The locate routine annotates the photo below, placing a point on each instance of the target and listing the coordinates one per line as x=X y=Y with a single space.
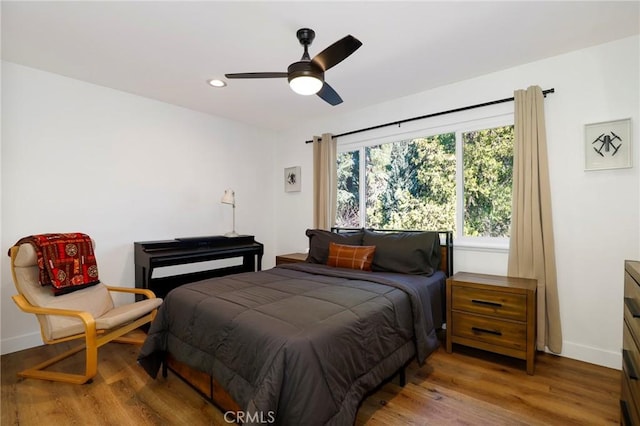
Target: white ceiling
x=167 y=50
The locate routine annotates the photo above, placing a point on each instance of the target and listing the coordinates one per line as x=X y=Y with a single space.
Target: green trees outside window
x=488 y=176
x=411 y=184
x=348 y=201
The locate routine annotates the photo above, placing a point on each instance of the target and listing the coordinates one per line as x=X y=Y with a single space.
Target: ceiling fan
x=306 y=77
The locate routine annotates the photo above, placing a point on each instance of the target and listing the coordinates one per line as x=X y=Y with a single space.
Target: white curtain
x=324 y=181
x=531 y=248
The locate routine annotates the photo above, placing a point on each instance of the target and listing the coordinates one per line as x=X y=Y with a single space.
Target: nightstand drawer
x=632 y=305
x=490 y=330
x=629 y=411
x=631 y=288
x=630 y=388
x=631 y=362
x=490 y=302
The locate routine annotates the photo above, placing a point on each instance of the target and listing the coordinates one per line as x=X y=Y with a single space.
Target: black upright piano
x=149 y=255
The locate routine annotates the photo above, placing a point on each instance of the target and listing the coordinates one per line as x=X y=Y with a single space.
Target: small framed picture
x=292 y=179
x=607 y=145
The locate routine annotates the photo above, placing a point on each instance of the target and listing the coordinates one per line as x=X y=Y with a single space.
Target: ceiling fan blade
x=257 y=75
x=337 y=52
x=329 y=95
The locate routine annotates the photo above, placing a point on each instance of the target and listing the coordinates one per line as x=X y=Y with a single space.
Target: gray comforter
x=301 y=343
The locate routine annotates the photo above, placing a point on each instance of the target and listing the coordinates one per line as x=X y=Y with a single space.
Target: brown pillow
x=352 y=257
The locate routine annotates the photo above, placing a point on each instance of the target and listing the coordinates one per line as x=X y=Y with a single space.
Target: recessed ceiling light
x=216 y=83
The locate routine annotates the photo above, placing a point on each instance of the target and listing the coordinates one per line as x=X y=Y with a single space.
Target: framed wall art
x=292 y=179
x=607 y=145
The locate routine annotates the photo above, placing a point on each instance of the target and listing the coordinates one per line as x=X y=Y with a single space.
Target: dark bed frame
x=213 y=392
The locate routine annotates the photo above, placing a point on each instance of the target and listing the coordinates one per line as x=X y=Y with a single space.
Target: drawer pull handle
x=628 y=363
x=625 y=412
x=486 y=303
x=632 y=305
x=484 y=330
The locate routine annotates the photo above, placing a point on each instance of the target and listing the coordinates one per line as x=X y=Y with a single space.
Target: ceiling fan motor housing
x=305 y=69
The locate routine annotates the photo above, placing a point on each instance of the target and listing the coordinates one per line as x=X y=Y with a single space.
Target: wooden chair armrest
x=148 y=293
x=25 y=306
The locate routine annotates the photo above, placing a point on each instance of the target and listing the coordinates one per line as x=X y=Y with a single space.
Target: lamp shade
x=229 y=197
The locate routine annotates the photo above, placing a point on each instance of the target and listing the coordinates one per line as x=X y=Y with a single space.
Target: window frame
x=500 y=244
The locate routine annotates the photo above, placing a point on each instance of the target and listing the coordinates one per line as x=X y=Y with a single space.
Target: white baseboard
x=571 y=350
x=18 y=343
x=592 y=355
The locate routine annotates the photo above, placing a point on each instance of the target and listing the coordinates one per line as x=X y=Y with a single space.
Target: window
x=459 y=180
x=348 y=200
x=488 y=174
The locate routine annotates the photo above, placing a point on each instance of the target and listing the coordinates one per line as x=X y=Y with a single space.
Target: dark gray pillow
x=404 y=252
x=319 y=243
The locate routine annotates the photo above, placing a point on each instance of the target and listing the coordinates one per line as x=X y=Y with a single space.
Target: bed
x=304 y=343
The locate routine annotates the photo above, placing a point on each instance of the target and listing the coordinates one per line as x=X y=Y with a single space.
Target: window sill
x=486 y=246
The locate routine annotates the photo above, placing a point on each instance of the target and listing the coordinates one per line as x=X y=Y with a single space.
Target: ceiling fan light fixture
x=306 y=85
x=305 y=77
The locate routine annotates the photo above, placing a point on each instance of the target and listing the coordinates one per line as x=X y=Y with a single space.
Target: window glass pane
x=488 y=167
x=411 y=184
x=348 y=202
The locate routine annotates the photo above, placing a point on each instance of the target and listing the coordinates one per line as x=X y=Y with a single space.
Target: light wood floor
x=467 y=387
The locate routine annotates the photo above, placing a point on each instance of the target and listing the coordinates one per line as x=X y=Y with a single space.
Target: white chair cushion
x=95 y=300
x=26 y=256
x=126 y=313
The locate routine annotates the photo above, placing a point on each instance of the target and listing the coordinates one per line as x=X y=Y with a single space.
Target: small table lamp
x=229 y=197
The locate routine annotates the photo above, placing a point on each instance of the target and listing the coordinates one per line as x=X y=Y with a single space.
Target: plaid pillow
x=352 y=257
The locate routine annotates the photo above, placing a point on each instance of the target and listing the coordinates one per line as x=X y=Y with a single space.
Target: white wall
x=596 y=214
x=80 y=157
x=153 y=171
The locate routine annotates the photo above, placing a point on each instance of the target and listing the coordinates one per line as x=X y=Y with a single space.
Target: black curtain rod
x=435 y=114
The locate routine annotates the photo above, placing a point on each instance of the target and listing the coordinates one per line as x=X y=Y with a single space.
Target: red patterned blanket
x=66 y=261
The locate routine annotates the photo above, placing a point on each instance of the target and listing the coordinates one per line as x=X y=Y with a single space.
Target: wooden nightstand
x=291 y=258
x=493 y=313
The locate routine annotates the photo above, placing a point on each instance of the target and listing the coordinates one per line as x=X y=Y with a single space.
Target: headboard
x=446 y=245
